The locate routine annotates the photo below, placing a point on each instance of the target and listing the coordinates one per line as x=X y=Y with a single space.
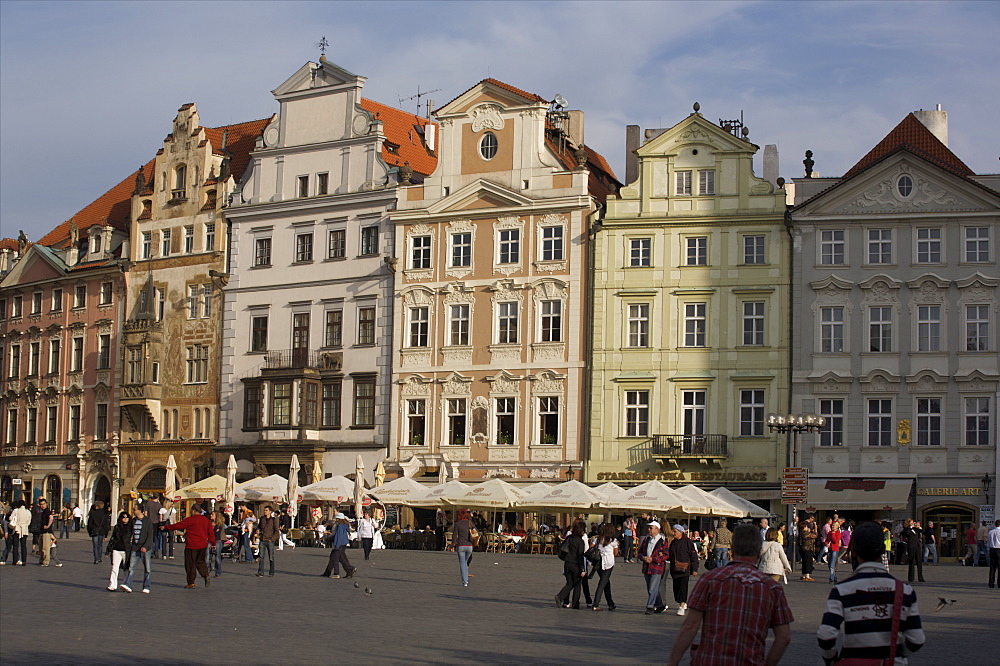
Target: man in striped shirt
x=859 y=610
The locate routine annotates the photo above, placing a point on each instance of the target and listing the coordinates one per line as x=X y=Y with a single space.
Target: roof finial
x=696 y=107
x=808 y=162
x=323 y=46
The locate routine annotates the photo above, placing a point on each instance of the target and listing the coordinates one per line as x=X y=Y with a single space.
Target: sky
x=88 y=90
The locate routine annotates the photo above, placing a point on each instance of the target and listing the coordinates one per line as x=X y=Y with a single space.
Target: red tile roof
x=914 y=135
x=240 y=142
x=400 y=129
x=506 y=86
x=8 y=244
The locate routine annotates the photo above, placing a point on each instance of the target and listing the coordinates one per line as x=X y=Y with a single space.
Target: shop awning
x=862 y=493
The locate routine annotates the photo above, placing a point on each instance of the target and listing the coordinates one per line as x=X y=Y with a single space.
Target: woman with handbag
x=772 y=559
x=119 y=547
x=604 y=546
x=574 y=565
x=463 y=538
x=683 y=564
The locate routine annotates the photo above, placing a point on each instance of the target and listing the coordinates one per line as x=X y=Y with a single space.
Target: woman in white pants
x=118 y=547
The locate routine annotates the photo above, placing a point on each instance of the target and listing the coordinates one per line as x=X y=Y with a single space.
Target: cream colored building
x=490 y=316
x=691 y=317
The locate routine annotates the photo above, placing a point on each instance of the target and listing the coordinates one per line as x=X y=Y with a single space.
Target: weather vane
x=323 y=45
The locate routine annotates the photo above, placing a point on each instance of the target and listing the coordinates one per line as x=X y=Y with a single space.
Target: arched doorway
x=53 y=491
x=950 y=523
x=102 y=491
x=153 y=482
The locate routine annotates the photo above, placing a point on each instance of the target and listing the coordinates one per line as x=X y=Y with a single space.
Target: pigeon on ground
x=942 y=602
x=356 y=585
x=368 y=591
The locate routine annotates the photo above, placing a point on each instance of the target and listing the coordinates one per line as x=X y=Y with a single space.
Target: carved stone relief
x=548 y=351
x=831 y=385
x=486 y=116
x=456 y=355
x=925 y=195
x=503 y=385
x=539 y=472
x=547 y=382
x=454 y=385
x=505 y=353
x=418 y=297
x=414 y=386
x=415 y=357
x=548 y=290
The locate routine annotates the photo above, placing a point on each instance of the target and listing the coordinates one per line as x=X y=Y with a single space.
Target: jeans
x=982 y=551
x=464 y=555
x=98 y=542
x=654 y=600
x=168 y=543
x=994 y=566
x=216 y=558
x=246 y=549
x=158 y=542
x=834 y=558
x=627 y=547
x=366 y=544
x=266 y=551
x=64 y=530
x=721 y=557
x=146 y=571
x=604 y=586
x=930 y=553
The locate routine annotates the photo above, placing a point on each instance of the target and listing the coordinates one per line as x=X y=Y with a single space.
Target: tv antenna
x=420 y=93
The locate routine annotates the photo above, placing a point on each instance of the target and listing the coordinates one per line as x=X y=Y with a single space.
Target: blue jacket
x=341 y=535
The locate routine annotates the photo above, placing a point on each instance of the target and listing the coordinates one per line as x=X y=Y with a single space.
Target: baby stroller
x=231 y=543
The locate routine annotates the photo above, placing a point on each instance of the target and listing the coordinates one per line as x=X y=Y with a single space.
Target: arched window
x=179 y=190
x=154 y=481
x=197 y=423
x=53 y=491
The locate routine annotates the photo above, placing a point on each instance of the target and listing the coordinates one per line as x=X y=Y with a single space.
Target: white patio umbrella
x=170 y=485
x=272 y=488
x=533 y=489
x=650 y=496
x=230 y=491
x=211 y=488
x=337 y=489
x=748 y=507
x=379 y=474
x=567 y=495
x=317 y=471
x=710 y=504
x=359 y=486
x=492 y=494
x=434 y=495
x=293 y=485
x=609 y=490
x=399 y=491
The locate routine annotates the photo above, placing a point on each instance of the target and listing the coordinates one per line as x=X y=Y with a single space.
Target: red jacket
x=658 y=556
x=200 y=531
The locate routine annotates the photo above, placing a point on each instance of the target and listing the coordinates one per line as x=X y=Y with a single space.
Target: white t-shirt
x=77 y=512
x=366 y=528
x=607 y=553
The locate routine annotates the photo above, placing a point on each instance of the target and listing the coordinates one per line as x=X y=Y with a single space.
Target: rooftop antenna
x=420 y=93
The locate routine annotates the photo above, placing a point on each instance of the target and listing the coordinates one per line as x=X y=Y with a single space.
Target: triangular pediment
x=694 y=130
x=489 y=91
x=480 y=195
x=37 y=264
x=312 y=76
x=902 y=183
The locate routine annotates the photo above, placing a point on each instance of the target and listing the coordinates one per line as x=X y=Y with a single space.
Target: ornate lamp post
x=794 y=424
x=987 y=482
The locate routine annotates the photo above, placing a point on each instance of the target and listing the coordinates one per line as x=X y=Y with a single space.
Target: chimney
x=936 y=121
x=575 y=132
x=771 y=164
x=631 y=159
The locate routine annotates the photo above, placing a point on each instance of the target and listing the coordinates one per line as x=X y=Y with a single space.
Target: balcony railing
x=691 y=446
x=139 y=325
x=142 y=392
x=284 y=359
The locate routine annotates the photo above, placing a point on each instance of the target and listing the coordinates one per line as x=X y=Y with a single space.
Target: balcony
x=700 y=447
x=298 y=359
x=141 y=392
x=142 y=325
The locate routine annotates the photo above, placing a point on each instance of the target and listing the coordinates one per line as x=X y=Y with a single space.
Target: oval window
x=488 y=146
x=904 y=186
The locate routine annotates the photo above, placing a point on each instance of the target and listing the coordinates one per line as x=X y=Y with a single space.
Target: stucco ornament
x=903 y=432
x=486 y=116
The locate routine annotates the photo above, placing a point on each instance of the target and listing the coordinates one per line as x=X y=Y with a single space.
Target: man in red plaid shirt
x=737 y=604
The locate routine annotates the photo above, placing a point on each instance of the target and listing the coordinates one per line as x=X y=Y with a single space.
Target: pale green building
x=691 y=318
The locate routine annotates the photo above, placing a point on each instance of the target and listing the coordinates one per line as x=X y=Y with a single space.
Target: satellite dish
x=561 y=101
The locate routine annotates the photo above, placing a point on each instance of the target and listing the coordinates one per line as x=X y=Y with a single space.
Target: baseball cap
x=653 y=523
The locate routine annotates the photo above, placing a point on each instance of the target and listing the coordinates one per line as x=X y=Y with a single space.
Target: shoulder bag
x=473 y=534
x=897 y=610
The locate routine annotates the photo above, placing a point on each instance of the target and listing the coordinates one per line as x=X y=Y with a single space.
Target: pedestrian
x=219 y=530
x=338 y=556
x=773 y=561
x=270 y=533
x=606 y=544
x=833 y=541
x=246 y=534
x=782 y=534
x=463 y=533
x=285 y=522
x=571 y=552
x=872 y=616
x=914 y=538
x=118 y=548
x=153 y=507
x=628 y=537
x=7 y=532
x=98 y=526
x=198 y=534
x=21 y=526
x=54 y=553
x=970 y=546
x=168 y=515
x=77 y=517
x=735 y=606
x=981 y=549
x=723 y=540
x=824 y=541
x=683 y=565
x=140 y=549
x=887 y=537
x=65 y=521
x=807 y=544
x=42 y=519
x=930 y=545
x=993 y=541
x=653 y=555
x=366 y=532
x=765 y=524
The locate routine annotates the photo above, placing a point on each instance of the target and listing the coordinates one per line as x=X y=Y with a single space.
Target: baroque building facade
x=895 y=317
x=690 y=329
x=308 y=314
x=490 y=305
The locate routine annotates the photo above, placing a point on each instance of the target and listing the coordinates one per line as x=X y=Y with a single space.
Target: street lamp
x=794 y=424
x=570 y=473
x=987 y=484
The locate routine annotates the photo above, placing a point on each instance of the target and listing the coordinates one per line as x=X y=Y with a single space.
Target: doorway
x=950 y=524
x=102 y=492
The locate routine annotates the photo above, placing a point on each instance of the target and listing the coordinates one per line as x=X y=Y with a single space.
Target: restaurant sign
x=682 y=476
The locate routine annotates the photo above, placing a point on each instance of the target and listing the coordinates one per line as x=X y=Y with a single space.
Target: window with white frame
x=419 y=326
x=34 y=358
x=832 y=330
x=461 y=249
x=420 y=252
x=694 y=324
x=209 y=237
x=147 y=245
x=262 y=252
x=107 y=292
x=929 y=245
x=336 y=246
x=879 y=422
x=753 y=250
x=638 y=325
x=753 y=323
x=76 y=360
x=751 y=412
x=79 y=297
x=104 y=351
x=11 y=426
x=36 y=303
x=977 y=328
x=31 y=426
x=880 y=246
x=977 y=244
x=322 y=183
x=551 y=321
x=928 y=422
x=636 y=413
x=303 y=182
x=333 y=334
x=15 y=361
x=928 y=328
x=832 y=432
x=832 y=247
x=548 y=420
x=507 y=322
x=697 y=251
x=509 y=251
x=160 y=295
x=552 y=243
x=165 y=243
x=369 y=240
x=488 y=145
x=194 y=291
x=457 y=420
x=281 y=403
x=331 y=403
x=258 y=333
x=188 y=239
x=706 y=182
x=101 y=422
x=206 y=301
x=459 y=316
x=977 y=421
x=304 y=247
x=639 y=252
x=55 y=355
x=197 y=364
x=133 y=365
x=17 y=303
x=880 y=329
x=416 y=422
x=74 y=422
x=693 y=415
x=366 y=326
x=682 y=183
x=506 y=410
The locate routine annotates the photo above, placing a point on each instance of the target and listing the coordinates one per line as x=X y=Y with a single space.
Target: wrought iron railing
x=695 y=446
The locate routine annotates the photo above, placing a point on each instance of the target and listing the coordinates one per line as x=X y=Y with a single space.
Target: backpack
x=564 y=550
